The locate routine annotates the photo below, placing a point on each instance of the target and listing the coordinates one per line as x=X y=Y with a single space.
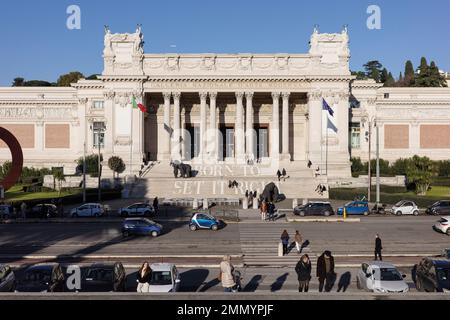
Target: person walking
x=303 y=269
x=227 y=274
x=285 y=241
x=325 y=271
x=298 y=241
x=279 y=175
x=156 y=205
x=378 y=247
x=143 y=278
x=284 y=174
x=264 y=210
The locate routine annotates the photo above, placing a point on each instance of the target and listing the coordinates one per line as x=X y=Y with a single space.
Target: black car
x=42 y=278
x=104 y=278
x=44 y=211
x=314 y=209
x=439 y=208
x=432 y=275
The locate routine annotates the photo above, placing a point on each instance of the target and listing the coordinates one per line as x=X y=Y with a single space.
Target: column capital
x=275 y=95
x=203 y=95
x=213 y=95
x=239 y=95
x=285 y=95
x=176 y=95
x=249 y=95
x=315 y=95
x=167 y=95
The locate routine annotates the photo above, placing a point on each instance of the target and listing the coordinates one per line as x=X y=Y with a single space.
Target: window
x=386 y=95
x=98 y=129
x=355 y=135
x=98 y=105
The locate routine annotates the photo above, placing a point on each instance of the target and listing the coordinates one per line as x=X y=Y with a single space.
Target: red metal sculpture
x=17 y=159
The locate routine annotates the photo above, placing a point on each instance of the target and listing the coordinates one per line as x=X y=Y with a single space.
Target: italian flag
x=139 y=106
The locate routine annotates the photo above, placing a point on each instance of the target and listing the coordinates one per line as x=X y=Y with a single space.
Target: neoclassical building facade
x=226 y=108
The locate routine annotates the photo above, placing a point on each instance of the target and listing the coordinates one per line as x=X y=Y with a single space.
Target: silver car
x=165 y=278
x=381 y=277
x=88 y=210
x=7 y=279
x=405 y=207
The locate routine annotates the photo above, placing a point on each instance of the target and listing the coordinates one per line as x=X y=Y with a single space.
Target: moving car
x=439 y=208
x=203 y=221
x=141 y=227
x=405 y=207
x=314 y=209
x=44 y=211
x=432 y=275
x=6 y=211
x=381 y=277
x=443 y=225
x=7 y=279
x=137 y=209
x=47 y=277
x=104 y=278
x=165 y=278
x=88 y=210
x=355 y=208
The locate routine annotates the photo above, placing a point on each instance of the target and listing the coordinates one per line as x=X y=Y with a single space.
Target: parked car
x=101 y=277
x=204 y=221
x=141 y=227
x=7 y=279
x=6 y=211
x=47 y=277
x=355 y=208
x=405 y=207
x=314 y=209
x=165 y=278
x=439 y=208
x=381 y=277
x=44 y=211
x=137 y=209
x=432 y=275
x=88 y=210
x=443 y=225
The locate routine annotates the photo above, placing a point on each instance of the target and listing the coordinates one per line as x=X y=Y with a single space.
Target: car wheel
x=154 y=234
x=302 y=213
x=326 y=213
x=215 y=227
x=193 y=227
x=366 y=213
x=448 y=232
x=126 y=234
x=399 y=213
x=416 y=213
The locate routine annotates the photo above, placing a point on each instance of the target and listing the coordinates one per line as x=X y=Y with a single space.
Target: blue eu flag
x=326 y=107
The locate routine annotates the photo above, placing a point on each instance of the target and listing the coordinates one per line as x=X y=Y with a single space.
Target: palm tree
x=58 y=175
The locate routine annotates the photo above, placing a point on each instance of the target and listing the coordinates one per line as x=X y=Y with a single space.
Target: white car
x=165 y=278
x=381 y=277
x=88 y=210
x=137 y=209
x=443 y=225
x=405 y=207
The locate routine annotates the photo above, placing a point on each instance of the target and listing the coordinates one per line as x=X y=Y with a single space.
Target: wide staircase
x=212 y=181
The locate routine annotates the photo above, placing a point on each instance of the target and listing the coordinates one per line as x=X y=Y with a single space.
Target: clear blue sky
x=35 y=43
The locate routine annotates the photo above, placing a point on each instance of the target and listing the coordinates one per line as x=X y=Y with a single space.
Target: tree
x=422 y=80
x=373 y=70
x=58 y=175
x=18 y=82
x=390 y=81
x=66 y=79
x=436 y=78
x=419 y=171
x=93 y=77
x=5 y=168
x=91 y=164
x=384 y=75
x=38 y=83
x=409 y=74
x=116 y=165
x=360 y=75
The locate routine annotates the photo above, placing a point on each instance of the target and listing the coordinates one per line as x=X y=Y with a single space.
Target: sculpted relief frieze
x=225 y=85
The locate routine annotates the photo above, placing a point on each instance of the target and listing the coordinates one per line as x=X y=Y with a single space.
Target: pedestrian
x=303 y=269
x=255 y=194
x=284 y=174
x=264 y=210
x=226 y=275
x=317 y=172
x=309 y=164
x=279 y=175
x=298 y=241
x=156 y=205
x=285 y=241
x=246 y=194
x=378 y=247
x=325 y=271
x=250 y=198
x=23 y=210
x=143 y=278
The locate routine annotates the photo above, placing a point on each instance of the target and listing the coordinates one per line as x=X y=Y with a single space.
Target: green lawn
x=16 y=194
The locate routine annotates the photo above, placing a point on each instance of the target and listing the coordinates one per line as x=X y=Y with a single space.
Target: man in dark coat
x=378 y=247
x=175 y=171
x=325 y=271
x=279 y=175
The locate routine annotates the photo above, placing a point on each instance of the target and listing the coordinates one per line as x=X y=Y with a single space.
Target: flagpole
x=326 y=152
x=321 y=138
x=131 y=143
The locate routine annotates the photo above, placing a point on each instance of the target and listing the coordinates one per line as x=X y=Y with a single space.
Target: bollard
x=245 y=204
x=294 y=203
x=205 y=204
x=345 y=212
x=195 y=204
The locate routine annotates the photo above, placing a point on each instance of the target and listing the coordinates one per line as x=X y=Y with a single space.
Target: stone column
x=343 y=123
x=167 y=128
x=109 y=114
x=239 y=130
x=176 y=138
x=285 y=137
x=315 y=127
x=249 y=125
x=275 y=127
x=203 y=97
x=213 y=126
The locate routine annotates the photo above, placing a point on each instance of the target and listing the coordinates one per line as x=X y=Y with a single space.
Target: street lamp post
x=378 y=163
x=369 y=169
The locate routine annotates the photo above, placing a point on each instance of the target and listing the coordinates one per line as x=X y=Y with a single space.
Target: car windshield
x=390 y=274
x=399 y=204
x=161 y=278
x=37 y=276
x=99 y=274
x=443 y=274
x=348 y=204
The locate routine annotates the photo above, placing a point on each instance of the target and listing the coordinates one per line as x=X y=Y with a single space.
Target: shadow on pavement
x=191 y=280
x=279 y=282
x=253 y=284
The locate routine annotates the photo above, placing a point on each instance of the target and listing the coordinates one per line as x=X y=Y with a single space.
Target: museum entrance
x=261 y=147
x=226 y=142
x=193 y=142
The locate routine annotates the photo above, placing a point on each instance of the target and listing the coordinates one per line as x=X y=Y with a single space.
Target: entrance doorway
x=192 y=142
x=262 y=141
x=226 y=142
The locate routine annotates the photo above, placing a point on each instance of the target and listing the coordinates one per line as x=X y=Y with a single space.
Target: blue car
x=203 y=221
x=355 y=208
x=141 y=227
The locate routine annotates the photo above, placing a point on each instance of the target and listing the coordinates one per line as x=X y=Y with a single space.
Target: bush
x=385 y=170
x=91 y=164
x=357 y=165
x=443 y=168
x=116 y=165
x=398 y=168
